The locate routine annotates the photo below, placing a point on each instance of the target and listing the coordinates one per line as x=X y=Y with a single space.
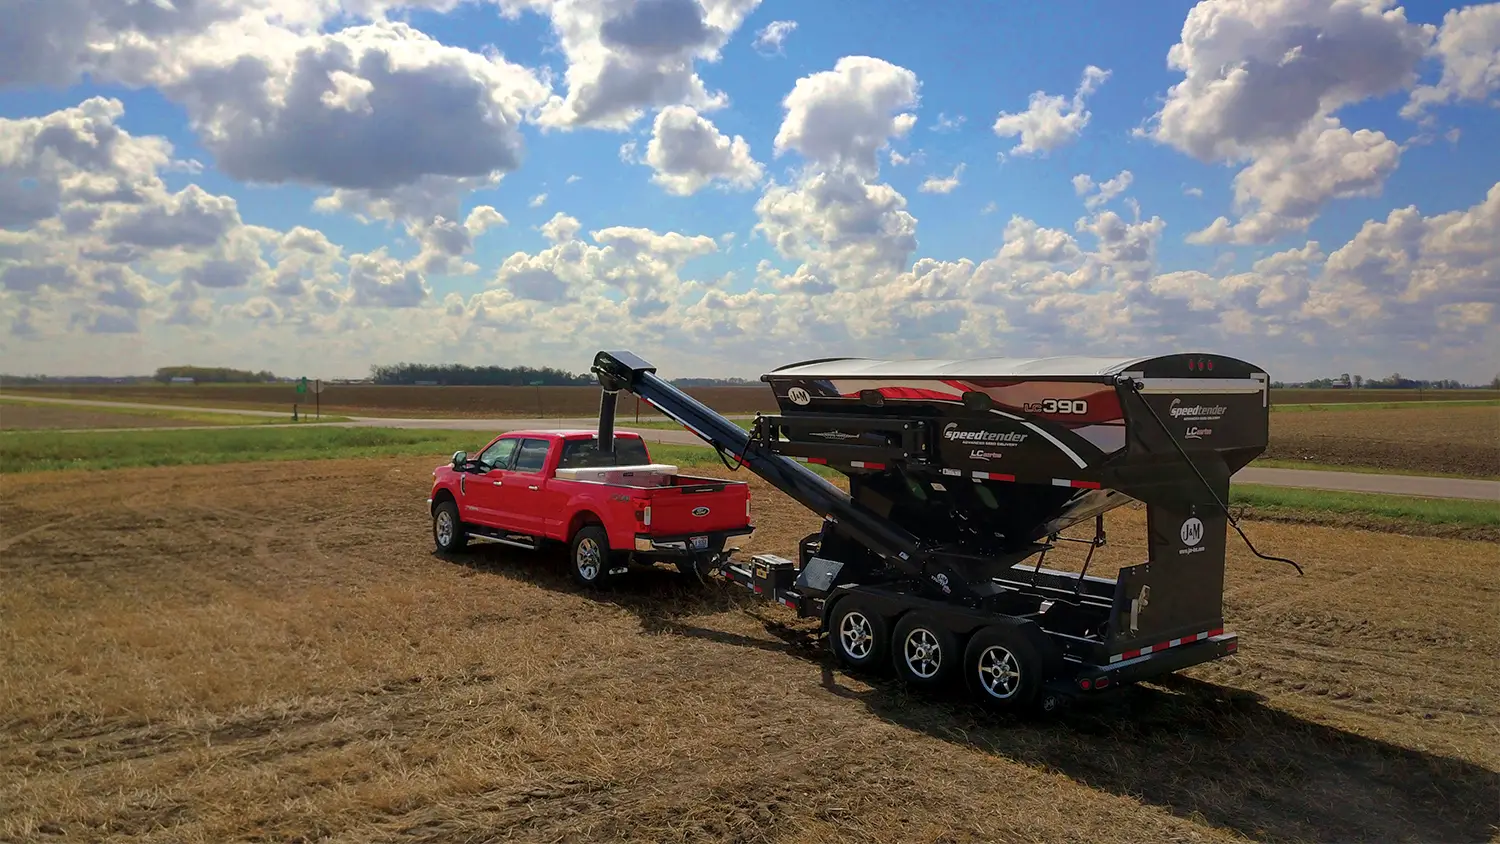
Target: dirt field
x=1458 y=440
x=25 y=417
x=283 y=658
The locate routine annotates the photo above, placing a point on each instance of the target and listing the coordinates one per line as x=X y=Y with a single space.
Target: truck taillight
x=643 y=515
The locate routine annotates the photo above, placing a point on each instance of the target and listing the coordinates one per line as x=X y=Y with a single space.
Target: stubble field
x=272 y=652
x=488 y=402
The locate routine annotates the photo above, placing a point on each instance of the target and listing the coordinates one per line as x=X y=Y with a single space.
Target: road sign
x=317 y=385
x=301 y=385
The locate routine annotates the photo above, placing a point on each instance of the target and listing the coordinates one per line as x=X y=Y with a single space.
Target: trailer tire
x=1003 y=668
x=448 y=532
x=858 y=634
x=589 y=557
x=924 y=652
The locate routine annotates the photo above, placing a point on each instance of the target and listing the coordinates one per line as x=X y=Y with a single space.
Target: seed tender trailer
x=960 y=473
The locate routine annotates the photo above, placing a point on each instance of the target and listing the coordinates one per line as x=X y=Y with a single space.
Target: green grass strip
x=1432 y=511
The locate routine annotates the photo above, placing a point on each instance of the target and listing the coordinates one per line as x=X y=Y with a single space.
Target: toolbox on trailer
x=962 y=476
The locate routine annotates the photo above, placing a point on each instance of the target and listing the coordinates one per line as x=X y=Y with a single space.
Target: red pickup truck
x=529 y=488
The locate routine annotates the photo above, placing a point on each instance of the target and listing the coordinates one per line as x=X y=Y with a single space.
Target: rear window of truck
x=585 y=454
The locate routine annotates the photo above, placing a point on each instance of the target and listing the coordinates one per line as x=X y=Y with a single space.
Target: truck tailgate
x=691 y=506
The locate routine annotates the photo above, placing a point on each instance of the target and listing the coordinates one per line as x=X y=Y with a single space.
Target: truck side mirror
x=458 y=459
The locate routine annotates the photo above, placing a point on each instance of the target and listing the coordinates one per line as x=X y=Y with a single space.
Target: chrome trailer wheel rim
x=999 y=672
x=857 y=635
x=588 y=559
x=923 y=654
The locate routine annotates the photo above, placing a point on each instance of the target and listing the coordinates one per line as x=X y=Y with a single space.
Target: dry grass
x=35 y=417
x=283 y=658
x=1455 y=440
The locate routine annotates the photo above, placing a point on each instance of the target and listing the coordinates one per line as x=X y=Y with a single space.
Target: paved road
x=1302 y=478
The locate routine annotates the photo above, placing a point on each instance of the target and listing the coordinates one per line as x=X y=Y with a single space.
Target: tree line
x=213 y=375
x=457 y=374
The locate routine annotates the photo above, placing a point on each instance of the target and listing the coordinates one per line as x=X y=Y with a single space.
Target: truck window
x=532 y=456
x=584 y=454
x=498 y=455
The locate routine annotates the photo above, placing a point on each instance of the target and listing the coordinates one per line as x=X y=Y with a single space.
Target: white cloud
x=1468 y=45
x=1258 y=72
x=772 y=36
x=942 y=184
x=1050 y=121
x=689 y=153
x=537 y=201
x=843 y=117
x=1286 y=186
x=1083 y=184
x=625 y=58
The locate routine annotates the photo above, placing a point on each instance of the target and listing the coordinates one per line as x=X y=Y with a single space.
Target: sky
x=315 y=187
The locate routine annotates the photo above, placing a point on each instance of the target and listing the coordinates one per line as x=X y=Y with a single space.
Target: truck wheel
x=1003 y=668
x=858 y=635
x=589 y=557
x=447 y=531
x=925 y=653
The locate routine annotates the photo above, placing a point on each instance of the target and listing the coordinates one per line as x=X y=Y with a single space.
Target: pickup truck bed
x=528 y=488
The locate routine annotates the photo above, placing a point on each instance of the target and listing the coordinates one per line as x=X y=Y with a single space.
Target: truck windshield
x=584 y=454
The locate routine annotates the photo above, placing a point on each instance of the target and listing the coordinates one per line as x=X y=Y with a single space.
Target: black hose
x=1136 y=385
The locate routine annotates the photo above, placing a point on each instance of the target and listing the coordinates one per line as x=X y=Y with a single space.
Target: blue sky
x=972 y=61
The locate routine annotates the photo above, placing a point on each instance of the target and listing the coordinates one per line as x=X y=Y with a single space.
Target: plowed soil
x=1458 y=441
x=273 y=652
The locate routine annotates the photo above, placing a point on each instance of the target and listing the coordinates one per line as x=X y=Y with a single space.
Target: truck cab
x=533 y=487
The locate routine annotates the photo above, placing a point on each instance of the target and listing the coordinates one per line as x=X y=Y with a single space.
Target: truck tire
x=924 y=653
x=589 y=557
x=858 y=634
x=448 y=532
x=1003 y=668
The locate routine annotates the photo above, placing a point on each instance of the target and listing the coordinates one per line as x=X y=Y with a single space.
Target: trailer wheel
x=1003 y=668
x=858 y=635
x=925 y=653
x=589 y=557
x=448 y=532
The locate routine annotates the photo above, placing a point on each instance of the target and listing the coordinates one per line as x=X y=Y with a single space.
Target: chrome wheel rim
x=999 y=672
x=857 y=635
x=444 y=528
x=588 y=559
x=923 y=654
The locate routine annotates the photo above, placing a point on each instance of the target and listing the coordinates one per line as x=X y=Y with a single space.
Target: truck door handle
x=533 y=487
x=499 y=483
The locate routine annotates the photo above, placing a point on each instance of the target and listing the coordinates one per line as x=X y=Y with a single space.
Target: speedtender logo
x=952 y=433
x=1197 y=411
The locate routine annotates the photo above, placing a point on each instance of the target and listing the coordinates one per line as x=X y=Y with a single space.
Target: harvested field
x=48 y=417
x=1458 y=440
x=403 y=401
x=284 y=658
x=24 y=417
x=490 y=402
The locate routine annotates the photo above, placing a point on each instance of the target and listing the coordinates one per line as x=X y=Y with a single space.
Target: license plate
x=699 y=543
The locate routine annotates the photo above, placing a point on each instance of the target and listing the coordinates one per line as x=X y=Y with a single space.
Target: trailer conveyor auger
x=960 y=471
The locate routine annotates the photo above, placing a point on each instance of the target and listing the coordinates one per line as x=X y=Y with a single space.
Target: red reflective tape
x=1131 y=654
x=1217 y=631
x=818 y=460
x=1084 y=484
